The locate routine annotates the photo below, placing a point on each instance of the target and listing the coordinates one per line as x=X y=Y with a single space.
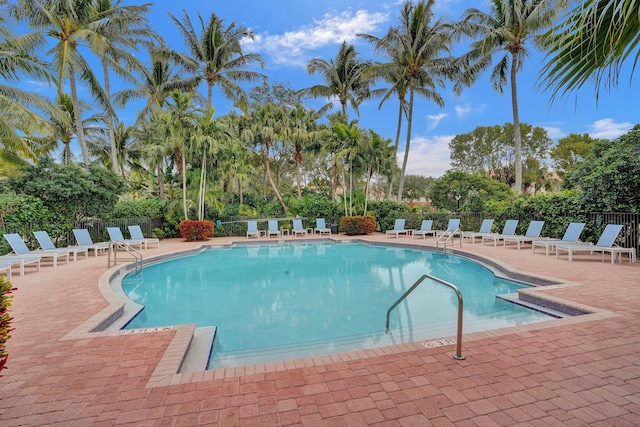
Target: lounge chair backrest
x=399 y=224
x=252 y=226
x=609 y=235
x=273 y=225
x=573 y=232
x=454 y=224
x=426 y=225
x=136 y=232
x=320 y=224
x=486 y=225
x=534 y=229
x=297 y=224
x=44 y=240
x=17 y=244
x=510 y=227
x=82 y=236
x=115 y=233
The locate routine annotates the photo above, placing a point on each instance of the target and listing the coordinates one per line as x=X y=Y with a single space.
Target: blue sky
x=291 y=32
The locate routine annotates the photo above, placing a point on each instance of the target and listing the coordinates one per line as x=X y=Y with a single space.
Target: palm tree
x=302 y=123
x=343 y=79
x=592 y=41
x=126 y=29
x=71 y=24
x=379 y=156
x=507 y=28
x=218 y=53
x=415 y=49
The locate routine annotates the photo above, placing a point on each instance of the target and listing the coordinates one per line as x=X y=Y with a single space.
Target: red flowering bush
x=196 y=230
x=5 y=319
x=357 y=225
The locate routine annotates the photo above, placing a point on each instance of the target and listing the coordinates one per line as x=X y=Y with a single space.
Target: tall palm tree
x=126 y=28
x=505 y=30
x=415 y=50
x=71 y=24
x=302 y=123
x=343 y=79
x=379 y=156
x=592 y=42
x=218 y=53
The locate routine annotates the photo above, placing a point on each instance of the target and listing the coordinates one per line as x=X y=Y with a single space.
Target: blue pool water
x=283 y=301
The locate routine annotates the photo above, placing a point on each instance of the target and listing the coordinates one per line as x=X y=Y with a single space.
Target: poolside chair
x=136 y=234
x=532 y=233
x=273 y=228
x=509 y=229
x=297 y=228
x=571 y=235
x=83 y=240
x=6 y=269
x=20 y=249
x=321 y=227
x=485 y=229
x=425 y=228
x=21 y=261
x=453 y=227
x=398 y=228
x=115 y=235
x=606 y=243
x=252 y=229
x=46 y=244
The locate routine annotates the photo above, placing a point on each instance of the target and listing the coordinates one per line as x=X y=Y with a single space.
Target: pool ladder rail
x=136 y=256
x=448 y=237
x=458 y=354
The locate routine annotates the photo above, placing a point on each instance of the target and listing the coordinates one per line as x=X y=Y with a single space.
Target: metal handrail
x=113 y=248
x=448 y=238
x=458 y=355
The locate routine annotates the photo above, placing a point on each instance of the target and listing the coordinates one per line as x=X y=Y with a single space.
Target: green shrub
x=140 y=208
x=357 y=225
x=5 y=319
x=386 y=213
x=196 y=230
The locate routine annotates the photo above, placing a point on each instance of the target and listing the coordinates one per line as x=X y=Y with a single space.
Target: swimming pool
x=283 y=301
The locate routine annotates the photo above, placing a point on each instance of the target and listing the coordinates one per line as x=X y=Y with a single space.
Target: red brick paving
x=572 y=372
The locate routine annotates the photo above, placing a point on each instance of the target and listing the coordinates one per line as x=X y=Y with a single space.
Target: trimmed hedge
x=357 y=225
x=196 y=230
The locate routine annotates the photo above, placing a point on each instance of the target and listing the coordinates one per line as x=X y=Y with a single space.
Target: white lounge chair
x=273 y=228
x=136 y=234
x=83 y=240
x=453 y=227
x=571 y=235
x=509 y=229
x=297 y=228
x=606 y=243
x=398 y=228
x=19 y=248
x=115 y=234
x=21 y=261
x=321 y=227
x=485 y=229
x=6 y=269
x=532 y=233
x=425 y=228
x=252 y=229
x=46 y=244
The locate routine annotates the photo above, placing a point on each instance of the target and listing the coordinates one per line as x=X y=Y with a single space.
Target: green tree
x=505 y=30
x=609 y=177
x=70 y=190
x=217 y=51
x=590 y=43
x=416 y=187
x=454 y=187
x=571 y=150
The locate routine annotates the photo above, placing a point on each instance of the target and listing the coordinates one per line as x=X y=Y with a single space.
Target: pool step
x=515 y=299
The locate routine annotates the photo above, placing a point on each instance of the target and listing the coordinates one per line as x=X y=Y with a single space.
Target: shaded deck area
x=575 y=371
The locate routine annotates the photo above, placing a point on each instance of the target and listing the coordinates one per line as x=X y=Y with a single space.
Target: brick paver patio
x=577 y=371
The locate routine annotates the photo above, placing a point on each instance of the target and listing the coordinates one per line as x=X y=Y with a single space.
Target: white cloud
x=463 y=111
x=428 y=156
x=434 y=120
x=296 y=47
x=609 y=128
x=554 y=132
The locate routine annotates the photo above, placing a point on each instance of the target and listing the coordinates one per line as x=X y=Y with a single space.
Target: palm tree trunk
x=298 y=161
x=517 y=137
x=112 y=137
x=209 y=94
x=203 y=183
x=78 y=117
x=395 y=151
x=334 y=181
x=160 y=182
x=407 y=143
x=267 y=169
x=366 y=189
